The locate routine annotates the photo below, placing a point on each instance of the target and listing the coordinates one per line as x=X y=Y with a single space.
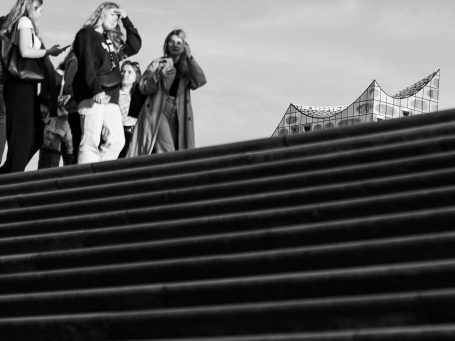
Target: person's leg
x=21 y=104
x=38 y=128
x=67 y=156
x=92 y=124
x=49 y=155
x=75 y=124
x=48 y=158
x=114 y=136
x=128 y=135
x=67 y=149
x=167 y=130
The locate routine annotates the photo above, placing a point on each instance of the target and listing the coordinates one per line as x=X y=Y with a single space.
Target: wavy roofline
x=320 y=118
x=336 y=113
x=397 y=97
x=376 y=84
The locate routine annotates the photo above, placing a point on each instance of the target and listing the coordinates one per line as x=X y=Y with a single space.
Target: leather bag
x=17 y=67
x=111 y=79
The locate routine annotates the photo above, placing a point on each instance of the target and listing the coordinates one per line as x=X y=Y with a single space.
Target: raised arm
x=133 y=41
x=197 y=76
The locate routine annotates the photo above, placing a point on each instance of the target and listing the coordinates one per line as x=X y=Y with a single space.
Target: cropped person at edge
x=24 y=127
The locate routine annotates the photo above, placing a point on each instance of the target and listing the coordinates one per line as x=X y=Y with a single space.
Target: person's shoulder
x=85 y=32
x=24 y=22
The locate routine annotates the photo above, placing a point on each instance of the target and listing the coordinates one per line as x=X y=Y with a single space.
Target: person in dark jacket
x=99 y=46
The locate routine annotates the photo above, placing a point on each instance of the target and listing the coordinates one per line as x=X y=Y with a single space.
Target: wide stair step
x=344 y=234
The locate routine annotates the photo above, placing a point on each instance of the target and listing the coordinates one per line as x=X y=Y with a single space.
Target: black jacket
x=137 y=101
x=93 y=59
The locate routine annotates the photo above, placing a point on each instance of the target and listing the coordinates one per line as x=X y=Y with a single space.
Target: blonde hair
x=22 y=8
x=116 y=34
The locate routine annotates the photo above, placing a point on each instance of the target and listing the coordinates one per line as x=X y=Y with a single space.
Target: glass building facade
x=373 y=105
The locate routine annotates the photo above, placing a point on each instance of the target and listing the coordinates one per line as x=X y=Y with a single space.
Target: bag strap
x=14 y=34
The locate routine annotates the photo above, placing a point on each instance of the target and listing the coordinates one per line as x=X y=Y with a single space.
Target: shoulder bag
x=17 y=67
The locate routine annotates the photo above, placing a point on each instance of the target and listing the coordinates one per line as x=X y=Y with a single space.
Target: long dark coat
x=157 y=91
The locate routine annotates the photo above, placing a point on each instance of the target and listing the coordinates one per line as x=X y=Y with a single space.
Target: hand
x=102 y=98
x=54 y=51
x=165 y=71
x=121 y=13
x=187 y=50
x=61 y=111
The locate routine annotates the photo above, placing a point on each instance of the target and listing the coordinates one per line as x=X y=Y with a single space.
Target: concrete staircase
x=344 y=234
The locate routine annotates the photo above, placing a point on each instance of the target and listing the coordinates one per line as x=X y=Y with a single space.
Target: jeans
x=100 y=120
x=167 y=138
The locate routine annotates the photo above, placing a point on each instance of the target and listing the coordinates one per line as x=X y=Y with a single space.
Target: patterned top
x=124 y=103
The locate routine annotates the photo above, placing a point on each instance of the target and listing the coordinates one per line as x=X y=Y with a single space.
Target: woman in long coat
x=165 y=122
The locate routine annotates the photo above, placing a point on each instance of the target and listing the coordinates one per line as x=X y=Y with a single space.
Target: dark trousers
x=74 y=119
x=50 y=158
x=24 y=126
x=128 y=135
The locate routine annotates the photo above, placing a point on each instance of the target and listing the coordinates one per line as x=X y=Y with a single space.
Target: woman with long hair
x=131 y=100
x=99 y=46
x=23 y=117
x=165 y=122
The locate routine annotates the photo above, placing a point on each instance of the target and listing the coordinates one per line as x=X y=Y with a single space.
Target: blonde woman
x=24 y=127
x=165 y=123
x=99 y=46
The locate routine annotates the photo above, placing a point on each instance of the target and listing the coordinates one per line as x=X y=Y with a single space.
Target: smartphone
x=65 y=47
x=168 y=64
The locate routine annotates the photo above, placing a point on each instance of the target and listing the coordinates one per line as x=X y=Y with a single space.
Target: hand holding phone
x=168 y=64
x=65 y=47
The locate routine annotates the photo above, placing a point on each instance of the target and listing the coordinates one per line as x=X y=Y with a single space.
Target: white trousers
x=100 y=120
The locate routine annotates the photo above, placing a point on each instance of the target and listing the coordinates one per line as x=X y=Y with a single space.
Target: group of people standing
x=96 y=109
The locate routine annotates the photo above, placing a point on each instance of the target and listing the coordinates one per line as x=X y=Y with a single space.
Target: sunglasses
x=175 y=43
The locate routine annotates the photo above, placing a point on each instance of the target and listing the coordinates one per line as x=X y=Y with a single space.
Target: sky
x=261 y=55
